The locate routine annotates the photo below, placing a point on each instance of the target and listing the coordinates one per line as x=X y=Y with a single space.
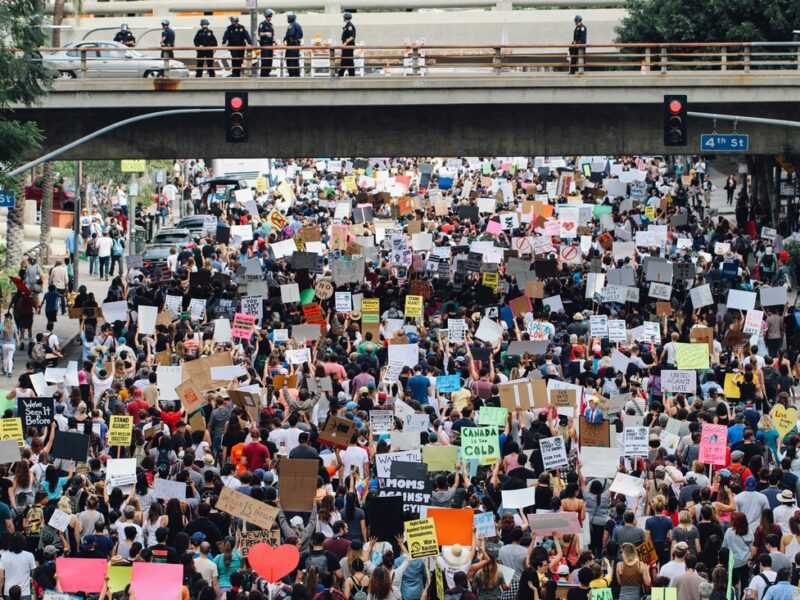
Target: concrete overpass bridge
x=498 y=100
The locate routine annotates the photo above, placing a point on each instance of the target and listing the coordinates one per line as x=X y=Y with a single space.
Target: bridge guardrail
x=420 y=60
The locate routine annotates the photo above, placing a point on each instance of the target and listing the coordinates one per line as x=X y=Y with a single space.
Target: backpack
x=162 y=462
x=116 y=247
x=735 y=478
x=35 y=520
x=93 y=249
x=318 y=560
x=357 y=592
x=38 y=353
x=768 y=583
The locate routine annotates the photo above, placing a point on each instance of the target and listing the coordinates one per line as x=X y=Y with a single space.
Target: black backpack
x=162 y=463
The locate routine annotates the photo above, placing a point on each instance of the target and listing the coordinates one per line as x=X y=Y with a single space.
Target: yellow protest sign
x=11 y=429
x=350 y=183
x=120 y=430
x=491 y=280
x=421 y=538
x=730 y=389
x=285 y=190
x=370 y=305
x=650 y=212
x=693 y=356
x=276 y=219
x=132 y=166
x=261 y=184
x=783 y=418
x=414 y=306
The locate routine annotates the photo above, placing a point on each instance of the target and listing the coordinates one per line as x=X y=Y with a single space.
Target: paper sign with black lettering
x=554 y=453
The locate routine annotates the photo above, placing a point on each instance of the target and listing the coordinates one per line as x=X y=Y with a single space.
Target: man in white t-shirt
x=104 y=245
x=765 y=576
x=16 y=566
x=355 y=456
x=676 y=566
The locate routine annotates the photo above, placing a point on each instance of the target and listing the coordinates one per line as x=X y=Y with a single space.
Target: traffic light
x=235 y=116
x=675 y=121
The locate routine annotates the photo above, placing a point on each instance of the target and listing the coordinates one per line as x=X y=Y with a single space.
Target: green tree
x=24 y=79
x=706 y=21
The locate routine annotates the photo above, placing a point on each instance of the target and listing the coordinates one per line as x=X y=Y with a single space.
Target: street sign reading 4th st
x=8 y=199
x=725 y=142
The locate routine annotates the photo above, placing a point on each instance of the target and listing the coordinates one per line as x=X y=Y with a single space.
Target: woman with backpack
x=357 y=584
x=487 y=582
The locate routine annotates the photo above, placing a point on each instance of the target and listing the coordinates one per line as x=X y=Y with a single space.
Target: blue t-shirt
x=658 y=527
x=419 y=385
x=62 y=481
x=5 y=515
x=51 y=301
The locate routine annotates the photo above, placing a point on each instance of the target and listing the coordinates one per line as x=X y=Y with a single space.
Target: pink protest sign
x=714 y=444
x=154 y=580
x=493 y=227
x=85 y=575
x=243 y=326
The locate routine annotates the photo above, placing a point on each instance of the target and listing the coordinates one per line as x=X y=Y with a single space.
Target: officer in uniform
x=348 y=39
x=266 y=39
x=124 y=36
x=167 y=40
x=205 y=38
x=293 y=37
x=578 y=38
x=236 y=35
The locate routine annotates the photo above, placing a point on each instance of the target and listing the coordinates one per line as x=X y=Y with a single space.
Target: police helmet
x=268 y=13
x=234 y=19
x=291 y=17
x=123 y=27
x=165 y=22
x=577 y=18
x=203 y=22
x=347 y=16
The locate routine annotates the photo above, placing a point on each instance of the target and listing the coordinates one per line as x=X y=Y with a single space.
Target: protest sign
x=484 y=525
x=563 y=398
x=9 y=451
x=156 y=580
x=713 y=444
x=416 y=423
x=523 y=394
x=496 y=416
x=480 y=442
x=60 y=520
x=421 y=538
x=120 y=430
x=783 y=418
x=636 y=442
x=381 y=421
x=647 y=552
x=70 y=446
x=773 y=296
x=692 y=356
x=453 y=525
x=554 y=453
x=82 y=575
x=246 y=508
x=36 y=412
x=298 y=479
x=679 y=381
x=383 y=462
x=600 y=462
x=408 y=480
x=386 y=517
x=545 y=524
x=448 y=383
x=166 y=489
x=752 y=322
x=594 y=434
x=337 y=432
x=518 y=498
x=627 y=485
x=192 y=399
x=248 y=539
x=439 y=458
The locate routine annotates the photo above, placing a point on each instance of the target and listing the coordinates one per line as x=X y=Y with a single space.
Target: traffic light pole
x=96 y=134
x=743 y=119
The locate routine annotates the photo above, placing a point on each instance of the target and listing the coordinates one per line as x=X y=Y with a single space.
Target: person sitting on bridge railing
x=124 y=36
x=167 y=40
x=236 y=35
x=293 y=37
x=205 y=38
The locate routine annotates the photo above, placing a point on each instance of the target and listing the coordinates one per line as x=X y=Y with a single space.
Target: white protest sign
x=554 y=453
x=636 y=441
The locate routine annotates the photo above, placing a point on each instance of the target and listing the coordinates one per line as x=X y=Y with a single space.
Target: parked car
x=63 y=194
x=172 y=237
x=154 y=256
x=194 y=224
x=110 y=59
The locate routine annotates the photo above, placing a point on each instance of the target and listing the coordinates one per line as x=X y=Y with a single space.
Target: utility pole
x=76 y=225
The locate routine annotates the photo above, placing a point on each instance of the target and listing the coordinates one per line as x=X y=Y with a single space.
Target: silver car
x=110 y=59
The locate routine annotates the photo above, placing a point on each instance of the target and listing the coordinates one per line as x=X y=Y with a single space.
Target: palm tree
x=47 y=203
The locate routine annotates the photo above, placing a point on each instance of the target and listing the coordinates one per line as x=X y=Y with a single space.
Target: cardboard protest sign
x=70 y=446
x=594 y=434
x=647 y=552
x=564 y=398
x=337 y=432
x=247 y=508
x=192 y=399
x=453 y=525
x=249 y=401
x=421 y=538
x=36 y=412
x=545 y=524
x=120 y=430
x=298 y=483
x=554 y=453
x=713 y=444
x=248 y=539
x=523 y=394
x=480 y=442
x=199 y=371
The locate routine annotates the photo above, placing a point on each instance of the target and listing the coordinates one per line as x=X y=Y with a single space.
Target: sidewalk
x=65 y=328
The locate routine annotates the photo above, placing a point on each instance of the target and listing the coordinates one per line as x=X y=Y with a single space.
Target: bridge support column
x=504 y=5
x=333 y=7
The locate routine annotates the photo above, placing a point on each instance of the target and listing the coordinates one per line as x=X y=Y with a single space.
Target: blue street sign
x=725 y=142
x=8 y=199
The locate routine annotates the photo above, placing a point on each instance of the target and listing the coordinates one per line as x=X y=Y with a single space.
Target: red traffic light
x=675 y=106
x=236 y=103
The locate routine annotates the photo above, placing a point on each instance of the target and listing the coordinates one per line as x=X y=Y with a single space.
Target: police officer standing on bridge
x=293 y=37
x=236 y=35
x=124 y=36
x=167 y=40
x=578 y=39
x=205 y=38
x=348 y=39
x=266 y=39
